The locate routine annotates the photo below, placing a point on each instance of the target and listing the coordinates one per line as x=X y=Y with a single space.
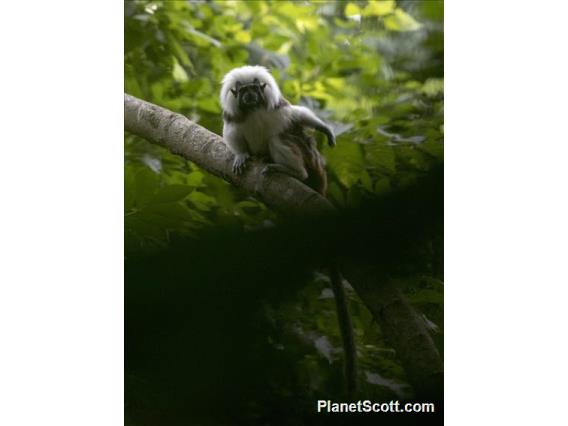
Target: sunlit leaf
x=179 y=51
x=401 y=21
x=433 y=86
x=151 y=8
x=285 y=48
x=178 y=72
x=309 y=23
x=336 y=83
x=195 y=178
x=202 y=38
x=379 y=8
x=243 y=37
x=352 y=10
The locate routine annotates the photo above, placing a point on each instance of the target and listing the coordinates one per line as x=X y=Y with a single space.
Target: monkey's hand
x=239 y=164
x=331 y=139
x=326 y=130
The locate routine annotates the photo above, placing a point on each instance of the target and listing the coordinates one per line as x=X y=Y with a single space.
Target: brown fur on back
x=304 y=144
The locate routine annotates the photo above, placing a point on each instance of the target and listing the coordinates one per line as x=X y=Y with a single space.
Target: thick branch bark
x=400 y=323
x=404 y=329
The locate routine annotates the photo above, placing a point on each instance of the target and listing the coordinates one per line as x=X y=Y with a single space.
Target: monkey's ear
x=236 y=89
x=262 y=86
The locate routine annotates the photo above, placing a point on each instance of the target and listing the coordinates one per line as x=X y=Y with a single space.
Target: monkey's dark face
x=250 y=96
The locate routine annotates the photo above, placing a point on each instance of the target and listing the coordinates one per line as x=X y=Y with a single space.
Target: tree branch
x=402 y=326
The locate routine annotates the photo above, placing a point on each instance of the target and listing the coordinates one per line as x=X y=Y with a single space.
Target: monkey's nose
x=249 y=98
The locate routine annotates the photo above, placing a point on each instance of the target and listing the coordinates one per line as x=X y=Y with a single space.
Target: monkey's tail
x=346 y=330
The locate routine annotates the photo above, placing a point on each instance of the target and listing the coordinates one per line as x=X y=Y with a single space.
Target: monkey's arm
x=237 y=144
x=306 y=117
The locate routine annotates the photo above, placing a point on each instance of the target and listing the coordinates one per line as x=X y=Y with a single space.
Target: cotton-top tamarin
x=259 y=121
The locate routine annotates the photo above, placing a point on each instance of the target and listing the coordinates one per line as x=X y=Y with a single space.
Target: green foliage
x=374 y=69
x=367 y=67
x=371 y=68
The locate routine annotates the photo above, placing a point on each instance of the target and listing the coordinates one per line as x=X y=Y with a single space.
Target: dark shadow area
x=198 y=344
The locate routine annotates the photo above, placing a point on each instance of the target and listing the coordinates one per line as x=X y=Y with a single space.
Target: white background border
x=61 y=226
x=61 y=244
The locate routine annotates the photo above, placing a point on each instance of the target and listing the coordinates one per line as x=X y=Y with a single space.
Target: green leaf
x=178 y=72
x=195 y=178
x=352 y=9
x=179 y=51
x=147 y=184
x=381 y=156
x=171 y=193
x=347 y=162
x=434 y=148
x=401 y=21
x=243 y=37
x=167 y=214
x=379 y=8
x=201 y=39
x=382 y=185
x=334 y=193
x=202 y=201
x=432 y=10
x=209 y=105
x=433 y=87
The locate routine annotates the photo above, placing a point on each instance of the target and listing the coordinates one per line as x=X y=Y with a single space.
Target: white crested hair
x=244 y=75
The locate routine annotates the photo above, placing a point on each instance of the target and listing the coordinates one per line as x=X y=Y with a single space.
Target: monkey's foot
x=239 y=164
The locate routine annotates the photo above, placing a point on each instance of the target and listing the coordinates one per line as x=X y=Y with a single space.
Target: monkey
x=259 y=121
